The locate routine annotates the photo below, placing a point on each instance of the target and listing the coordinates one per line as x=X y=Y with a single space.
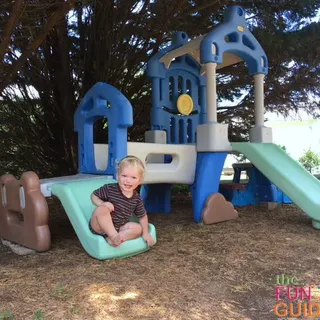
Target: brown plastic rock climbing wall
x=26 y=226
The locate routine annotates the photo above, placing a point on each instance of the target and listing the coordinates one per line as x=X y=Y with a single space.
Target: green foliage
x=7 y=316
x=182 y=189
x=39 y=315
x=36 y=129
x=240 y=157
x=284 y=148
x=75 y=310
x=61 y=292
x=310 y=160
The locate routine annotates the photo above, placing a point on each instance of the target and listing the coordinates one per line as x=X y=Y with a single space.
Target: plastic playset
x=186 y=145
x=256 y=189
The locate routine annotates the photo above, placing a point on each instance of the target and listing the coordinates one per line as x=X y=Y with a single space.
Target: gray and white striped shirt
x=124 y=207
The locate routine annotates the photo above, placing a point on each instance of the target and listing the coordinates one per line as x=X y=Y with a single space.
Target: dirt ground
x=195 y=271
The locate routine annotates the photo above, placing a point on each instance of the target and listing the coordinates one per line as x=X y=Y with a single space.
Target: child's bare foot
x=115 y=240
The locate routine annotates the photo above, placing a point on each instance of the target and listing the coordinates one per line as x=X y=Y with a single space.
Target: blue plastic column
x=156 y=197
x=208 y=173
x=248 y=196
x=267 y=191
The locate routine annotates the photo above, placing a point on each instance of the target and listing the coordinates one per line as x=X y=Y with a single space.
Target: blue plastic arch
x=183 y=76
x=102 y=101
x=156 y=69
x=241 y=42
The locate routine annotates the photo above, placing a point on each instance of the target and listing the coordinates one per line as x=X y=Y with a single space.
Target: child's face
x=129 y=178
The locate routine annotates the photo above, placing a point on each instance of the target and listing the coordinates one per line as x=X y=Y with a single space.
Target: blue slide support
x=102 y=101
x=207 y=180
x=267 y=191
x=157 y=197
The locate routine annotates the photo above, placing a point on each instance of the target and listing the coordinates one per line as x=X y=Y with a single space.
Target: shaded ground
x=223 y=271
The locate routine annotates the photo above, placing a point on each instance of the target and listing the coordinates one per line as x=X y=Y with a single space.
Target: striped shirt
x=124 y=207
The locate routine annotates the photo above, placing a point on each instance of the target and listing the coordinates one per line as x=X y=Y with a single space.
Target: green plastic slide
x=75 y=198
x=287 y=174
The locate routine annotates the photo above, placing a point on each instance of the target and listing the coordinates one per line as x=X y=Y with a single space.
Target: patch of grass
x=75 y=310
x=7 y=316
x=182 y=189
x=39 y=314
x=241 y=288
x=61 y=292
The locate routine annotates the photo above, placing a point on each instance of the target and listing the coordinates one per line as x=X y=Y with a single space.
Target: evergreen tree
x=111 y=41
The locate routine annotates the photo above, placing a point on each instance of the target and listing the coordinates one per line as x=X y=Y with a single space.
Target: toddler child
x=116 y=203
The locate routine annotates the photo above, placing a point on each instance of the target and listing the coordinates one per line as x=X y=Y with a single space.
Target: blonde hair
x=132 y=161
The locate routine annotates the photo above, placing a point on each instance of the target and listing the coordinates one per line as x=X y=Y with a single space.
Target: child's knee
x=102 y=211
x=139 y=228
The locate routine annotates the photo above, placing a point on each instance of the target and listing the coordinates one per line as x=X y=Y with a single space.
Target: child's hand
x=148 y=239
x=109 y=205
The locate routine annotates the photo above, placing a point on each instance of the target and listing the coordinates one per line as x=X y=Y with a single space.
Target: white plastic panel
x=180 y=170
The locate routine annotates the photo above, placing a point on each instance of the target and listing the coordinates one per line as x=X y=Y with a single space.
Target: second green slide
x=287 y=174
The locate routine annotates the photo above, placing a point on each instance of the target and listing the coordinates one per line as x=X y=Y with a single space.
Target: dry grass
x=223 y=271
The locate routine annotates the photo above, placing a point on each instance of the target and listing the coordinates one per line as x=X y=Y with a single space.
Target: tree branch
x=204 y=7
x=53 y=20
x=14 y=16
